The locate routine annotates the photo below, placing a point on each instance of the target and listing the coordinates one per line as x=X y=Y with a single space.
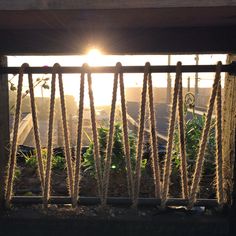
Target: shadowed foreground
x=119 y=221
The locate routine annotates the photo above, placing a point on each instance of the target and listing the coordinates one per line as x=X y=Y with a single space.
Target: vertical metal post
x=188 y=84
x=168 y=89
x=4 y=130
x=196 y=81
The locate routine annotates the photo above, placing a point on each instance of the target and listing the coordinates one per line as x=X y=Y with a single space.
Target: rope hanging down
x=147 y=80
x=125 y=134
x=140 y=138
x=79 y=142
x=167 y=167
x=96 y=149
x=155 y=158
x=56 y=70
x=183 y=161
x=97 y=158
x=12 y=159
x=118 y=75
x=200 y=158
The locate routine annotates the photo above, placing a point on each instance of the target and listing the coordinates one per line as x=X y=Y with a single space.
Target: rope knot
x=118 y=67
x=147 y=68
x=56 y=68
x=22 y=68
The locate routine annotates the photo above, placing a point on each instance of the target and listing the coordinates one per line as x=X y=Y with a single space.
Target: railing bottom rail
x=114 y=201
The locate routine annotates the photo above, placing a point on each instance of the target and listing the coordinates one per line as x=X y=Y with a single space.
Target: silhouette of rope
x=183 y=161
x=118 y=76
x=50 y=138
x=110 y=140
x=36 y=132
x=155 y=158
x=79 y=141
x=56 y=70
x=167 y=167
x=66 y=134
x=125 y=134
x=200 y=158
x=96 y=149
x=140 y=137
x=12 y=159
x=219 y=160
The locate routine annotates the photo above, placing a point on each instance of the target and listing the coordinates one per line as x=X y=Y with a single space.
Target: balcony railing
x=161 y=173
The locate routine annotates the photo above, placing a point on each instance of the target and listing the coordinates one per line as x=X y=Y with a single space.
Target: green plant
x=58 y=162
x=17 y=173
x=118 y=156
x=193 y=133
x=30 y=161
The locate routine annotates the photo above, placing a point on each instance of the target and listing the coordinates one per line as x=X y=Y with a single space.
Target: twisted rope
x=56 y=70
x=167 y=167
x=66 y=134
x=79 y=142
x=36 y=133
x=125 y=134
x=95 y=138
x=200 y=158
x=183 y=161
x=50 y=138
x=118 y=76
x=12 y=159
x=140 y=137
x=219 y=160
x=155 y=159
x=110 y=140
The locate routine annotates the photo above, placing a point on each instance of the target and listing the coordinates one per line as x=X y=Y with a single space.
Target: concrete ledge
x=108 y=4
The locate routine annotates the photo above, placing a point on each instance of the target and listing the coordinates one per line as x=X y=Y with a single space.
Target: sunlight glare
x=94 y=57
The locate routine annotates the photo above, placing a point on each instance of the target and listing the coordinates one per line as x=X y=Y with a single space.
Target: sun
x=94 y=57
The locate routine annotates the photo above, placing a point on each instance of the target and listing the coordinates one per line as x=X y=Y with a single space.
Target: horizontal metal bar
x=230 y=68
x=117 y=201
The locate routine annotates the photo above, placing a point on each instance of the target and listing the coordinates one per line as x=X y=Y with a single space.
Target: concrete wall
x=117 y=26
x=108 y=4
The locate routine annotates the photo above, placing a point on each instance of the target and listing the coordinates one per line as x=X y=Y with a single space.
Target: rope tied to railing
x=97 y=159
x=56 y=70
x=183 y=160
x=110 y=138
x=117 y=76
x=167 y=166
x=139 y=149
x=12 y=158
x=36 y=133
x=130 y=182
x=154 y=146
x=200 y=158
x=79 y=141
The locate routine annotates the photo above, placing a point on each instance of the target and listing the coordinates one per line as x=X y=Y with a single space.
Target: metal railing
x=161 y=173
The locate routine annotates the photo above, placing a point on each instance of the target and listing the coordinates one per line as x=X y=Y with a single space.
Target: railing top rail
x=229 y=68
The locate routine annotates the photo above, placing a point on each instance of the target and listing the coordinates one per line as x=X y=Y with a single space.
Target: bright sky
x=102 y=83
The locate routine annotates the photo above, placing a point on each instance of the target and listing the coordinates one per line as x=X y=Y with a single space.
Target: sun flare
x=94 y=57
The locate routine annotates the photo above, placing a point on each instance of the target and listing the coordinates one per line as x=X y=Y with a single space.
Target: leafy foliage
x=58 y=162
x=118 y=156
x=193 y=133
